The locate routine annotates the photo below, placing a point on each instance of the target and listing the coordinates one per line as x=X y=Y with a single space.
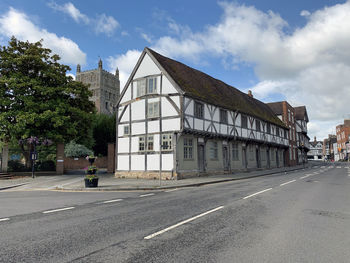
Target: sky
x=296 y=51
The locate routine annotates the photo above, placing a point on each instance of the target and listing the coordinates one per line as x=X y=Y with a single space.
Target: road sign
x=33 y=156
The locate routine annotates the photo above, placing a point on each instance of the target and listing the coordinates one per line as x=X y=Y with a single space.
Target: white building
x=175 y=121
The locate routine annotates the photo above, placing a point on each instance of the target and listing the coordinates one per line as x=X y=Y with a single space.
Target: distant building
x=303 y=139
x=316 y=150
x=104 y=85
x=328 y=151
x=343 y=132
x=286 y=113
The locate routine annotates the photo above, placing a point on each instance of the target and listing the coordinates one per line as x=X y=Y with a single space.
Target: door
x=201 y=157
x=257 y=155
x=225 y=158
x=244 y=157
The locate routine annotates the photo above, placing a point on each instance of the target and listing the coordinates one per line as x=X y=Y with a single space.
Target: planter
x=91 y=182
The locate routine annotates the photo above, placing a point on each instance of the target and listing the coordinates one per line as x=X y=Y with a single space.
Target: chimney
x=78 y=68
x=315 y=139
x=250 y=94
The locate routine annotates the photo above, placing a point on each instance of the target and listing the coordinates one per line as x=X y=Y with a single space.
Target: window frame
x=127 y=127
x=244 y=124
x=142 y=141
x=235 y=152
x=151 y=105
x=198 y=110
x=150 y=141
x=168 y=140
x=154 y=85
x=214 y=150
x=223 y=116
x=188 y=148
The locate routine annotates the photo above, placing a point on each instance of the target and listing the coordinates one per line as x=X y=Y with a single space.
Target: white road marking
x=287 y=182
x=338 y=166
x=304 y=176
x=58 y=210
x=316 y=173
x=146 y=195
x=257 y=193
x=183 y=222
x=323 y=166
x=4 y=219
x=172 y=190
x=112 y=201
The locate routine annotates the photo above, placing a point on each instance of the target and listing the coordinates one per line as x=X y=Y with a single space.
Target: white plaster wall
x=134 y=144
x=189 y=109
x=217 y=127
x=198 y=124
x=121 y=130
x=229 y=117
x=146 y=68
x=171 y=125
x=206 y=112
x=216 y=116
x=138 y=162
x=123 y=162
x=238 y=120
x=167 y=108
x=138 y=110
x=167 y=162
x=244 y=133
x=152 y=162
x=127 y=95
x=156 y=142
x=153 y=126
x=189 y=123
x=123 y=145
x=167 y=86
x=125 y=115
x=206 y=125
x=223 y=129
x=138 y=128
x=153 y=100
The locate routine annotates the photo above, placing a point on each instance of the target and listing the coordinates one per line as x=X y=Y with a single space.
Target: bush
x=48 y=165
x=16 y=166
x=75 y=150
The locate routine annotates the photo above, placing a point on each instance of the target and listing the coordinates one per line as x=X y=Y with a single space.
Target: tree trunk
x=5 y=157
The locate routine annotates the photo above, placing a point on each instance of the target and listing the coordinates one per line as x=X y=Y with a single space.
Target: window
x=268 y=128
x=167 y=142
x=141 y=87
x=244 y=121
x=141 y=144
x=263 y=154
x=150 y=143
x=214 y=150
x=198 y=110
x=257 y=123
x=152 y=85
x=223 y=116
x=277 y=131
x=251 y=152
x=188 y=148
x=153 y=109
x=285 y=134
x=106 y=105
x=289 y=115
x=235 y=156
x=126 y=129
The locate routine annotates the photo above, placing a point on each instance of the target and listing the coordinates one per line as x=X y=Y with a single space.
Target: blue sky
x=281 y=50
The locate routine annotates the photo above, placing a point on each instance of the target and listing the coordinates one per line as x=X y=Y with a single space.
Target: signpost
x=33 y=158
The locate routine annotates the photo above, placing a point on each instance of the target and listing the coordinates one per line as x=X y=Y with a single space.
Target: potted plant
x=91 y=179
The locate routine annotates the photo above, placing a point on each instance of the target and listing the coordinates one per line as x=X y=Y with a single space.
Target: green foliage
x=48 y=165
x=38 y=99
x=73 y=149
x=103 y=133
x=17 y=166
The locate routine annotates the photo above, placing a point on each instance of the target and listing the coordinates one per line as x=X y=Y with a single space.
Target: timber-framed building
x=175 y=122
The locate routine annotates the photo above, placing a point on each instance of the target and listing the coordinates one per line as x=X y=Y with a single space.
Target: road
x=300 y=216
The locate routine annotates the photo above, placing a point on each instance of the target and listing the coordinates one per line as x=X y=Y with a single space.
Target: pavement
x=107 y=182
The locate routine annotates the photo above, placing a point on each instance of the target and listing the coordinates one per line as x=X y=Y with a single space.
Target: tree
x=103 y=133
x=38 y=99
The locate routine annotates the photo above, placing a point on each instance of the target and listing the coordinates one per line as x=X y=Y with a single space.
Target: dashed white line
x=171 y=190
x=146 y=195
x=58 y=210
x=183 y=222
x=4 y=219
x=316 y=173
x=304 y=176
x=112 y=201
x=287 y=182
x=257 y=193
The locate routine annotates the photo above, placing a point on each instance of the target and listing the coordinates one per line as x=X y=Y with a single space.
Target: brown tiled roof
x=201 y=86
x=300 y=112
x=276 y=107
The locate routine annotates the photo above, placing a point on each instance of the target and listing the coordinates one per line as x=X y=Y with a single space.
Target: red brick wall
x=81 y=163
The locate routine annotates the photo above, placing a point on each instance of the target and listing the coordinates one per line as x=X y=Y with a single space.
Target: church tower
x=104 y=85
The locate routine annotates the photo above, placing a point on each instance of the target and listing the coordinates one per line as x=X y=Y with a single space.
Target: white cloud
x=16 y=23
x=105 y=24
x=70 y=10
x=305 y=13
x=146 y=37
x=126 y=63
x=101 y=23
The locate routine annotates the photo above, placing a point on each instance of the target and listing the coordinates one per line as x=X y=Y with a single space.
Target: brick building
x=286 y=113
x=343 y=132
x=328 y=151
x=301 y=120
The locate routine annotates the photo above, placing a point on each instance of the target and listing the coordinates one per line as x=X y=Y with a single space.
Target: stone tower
x=104 y=85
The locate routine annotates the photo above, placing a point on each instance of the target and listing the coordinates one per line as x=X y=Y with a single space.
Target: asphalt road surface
x=301 y=216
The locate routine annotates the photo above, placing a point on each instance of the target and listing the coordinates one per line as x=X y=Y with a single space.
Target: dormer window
x=152 y=85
